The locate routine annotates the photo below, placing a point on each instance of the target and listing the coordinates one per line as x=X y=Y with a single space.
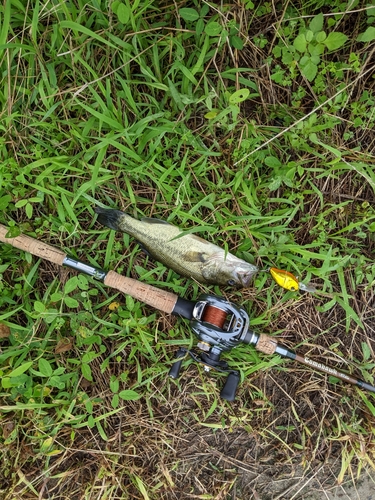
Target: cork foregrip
x=33 y=246
x=159 y=299
x=266 y=344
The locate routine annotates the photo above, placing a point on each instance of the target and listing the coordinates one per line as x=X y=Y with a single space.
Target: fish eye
x=231 y=282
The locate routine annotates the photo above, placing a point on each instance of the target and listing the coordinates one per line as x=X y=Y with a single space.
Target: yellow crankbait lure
x=287 y=280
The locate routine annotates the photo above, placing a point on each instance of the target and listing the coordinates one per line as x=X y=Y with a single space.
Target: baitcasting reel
x=219 y=326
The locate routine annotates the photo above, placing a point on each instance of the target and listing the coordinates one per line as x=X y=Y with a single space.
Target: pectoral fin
x=194 y=256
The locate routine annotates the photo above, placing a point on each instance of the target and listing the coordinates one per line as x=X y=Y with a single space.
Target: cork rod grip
x=266 y=344
x=159 y=299
x=33 y=246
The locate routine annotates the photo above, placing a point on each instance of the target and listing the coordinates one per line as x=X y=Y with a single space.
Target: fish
x=188 y=255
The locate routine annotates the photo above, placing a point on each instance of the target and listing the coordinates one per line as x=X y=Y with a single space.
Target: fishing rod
x=219 y=325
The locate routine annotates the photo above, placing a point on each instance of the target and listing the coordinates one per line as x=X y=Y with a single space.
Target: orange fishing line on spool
x=215 y=316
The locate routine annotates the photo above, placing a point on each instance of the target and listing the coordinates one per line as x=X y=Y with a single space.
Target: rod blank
x=268 y=345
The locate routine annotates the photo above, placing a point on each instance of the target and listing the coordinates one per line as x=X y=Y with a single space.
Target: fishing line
x=215 y=316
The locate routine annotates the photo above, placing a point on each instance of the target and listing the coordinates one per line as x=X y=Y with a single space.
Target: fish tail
x=109 y=217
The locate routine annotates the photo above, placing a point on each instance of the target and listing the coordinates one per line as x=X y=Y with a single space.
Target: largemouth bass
x=188 y=255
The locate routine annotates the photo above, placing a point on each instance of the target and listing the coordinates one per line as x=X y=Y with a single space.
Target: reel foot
x=210 y=361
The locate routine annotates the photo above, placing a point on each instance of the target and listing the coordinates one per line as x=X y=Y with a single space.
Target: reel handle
x=228 y=392
x=174 y=372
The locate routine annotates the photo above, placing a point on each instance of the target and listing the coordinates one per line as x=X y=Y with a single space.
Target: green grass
x=242 y=121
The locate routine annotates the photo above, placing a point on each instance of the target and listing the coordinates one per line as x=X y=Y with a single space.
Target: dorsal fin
x=151 y=220
x=201 y=240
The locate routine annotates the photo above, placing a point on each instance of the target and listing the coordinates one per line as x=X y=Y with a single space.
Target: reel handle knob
x=175 y=368
x=228 y=392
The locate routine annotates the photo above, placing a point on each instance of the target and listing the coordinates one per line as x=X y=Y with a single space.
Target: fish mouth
x=246 y=277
